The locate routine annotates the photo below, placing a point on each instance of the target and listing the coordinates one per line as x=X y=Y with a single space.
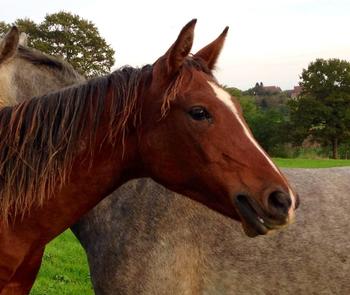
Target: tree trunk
x=335 y=148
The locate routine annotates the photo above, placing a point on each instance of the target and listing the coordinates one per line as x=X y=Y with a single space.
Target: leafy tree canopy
x=67 y=35
x=323 y=108
x=4 y=27
x=267 y=125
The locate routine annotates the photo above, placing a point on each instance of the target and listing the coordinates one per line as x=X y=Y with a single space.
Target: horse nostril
x=279 y=204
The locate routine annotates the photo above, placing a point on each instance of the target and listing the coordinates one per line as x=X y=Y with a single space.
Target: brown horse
x=25 y=72
x=170 y=121
x=147 y=240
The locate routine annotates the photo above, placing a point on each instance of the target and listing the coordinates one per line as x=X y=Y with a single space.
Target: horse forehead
x=208 y=92
x=224 y=97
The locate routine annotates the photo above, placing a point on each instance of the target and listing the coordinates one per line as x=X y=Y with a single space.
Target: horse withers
x=166 y=121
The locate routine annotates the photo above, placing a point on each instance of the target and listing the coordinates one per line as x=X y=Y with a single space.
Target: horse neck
x=116 y=153
x=36 y=80
x=91 y=179
x=119 y=161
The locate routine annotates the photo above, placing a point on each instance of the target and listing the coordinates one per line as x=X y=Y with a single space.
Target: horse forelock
x=198 y=64
x=39 y=138
x=192 y=63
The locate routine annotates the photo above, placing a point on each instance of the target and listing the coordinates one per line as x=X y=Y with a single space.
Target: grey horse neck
x=25 y=73
x=38 y=73
x=146 y=240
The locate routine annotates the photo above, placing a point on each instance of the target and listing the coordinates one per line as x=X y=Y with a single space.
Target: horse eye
x=199 y=113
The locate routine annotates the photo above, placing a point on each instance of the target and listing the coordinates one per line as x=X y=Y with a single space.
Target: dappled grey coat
x=147 y=240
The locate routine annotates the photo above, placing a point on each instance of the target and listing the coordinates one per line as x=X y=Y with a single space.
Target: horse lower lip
x=254 y=224
x=254 y=228
x=259 y=226
x=261 y=220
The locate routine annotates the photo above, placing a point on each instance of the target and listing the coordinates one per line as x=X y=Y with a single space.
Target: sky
x=269 y=41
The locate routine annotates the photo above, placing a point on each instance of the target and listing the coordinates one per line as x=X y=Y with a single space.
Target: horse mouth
x=254 y=221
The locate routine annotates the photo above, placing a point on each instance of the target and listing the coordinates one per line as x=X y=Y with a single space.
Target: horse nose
x=279 y=204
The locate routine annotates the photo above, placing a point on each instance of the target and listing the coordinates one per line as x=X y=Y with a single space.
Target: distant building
x=260 y=89
x=272 y=89
x=295 y=92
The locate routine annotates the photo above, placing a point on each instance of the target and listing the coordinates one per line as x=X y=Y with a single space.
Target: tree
x=323 y=108
x=4 y=28
x=24 y=25
x=234 y=91
x=31 y=29
x=75 y=39
x=267 y=125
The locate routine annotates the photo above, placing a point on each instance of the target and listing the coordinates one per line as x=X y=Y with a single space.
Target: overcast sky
x=269 y=41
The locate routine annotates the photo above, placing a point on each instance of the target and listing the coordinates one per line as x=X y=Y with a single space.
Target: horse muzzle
x=258 y=221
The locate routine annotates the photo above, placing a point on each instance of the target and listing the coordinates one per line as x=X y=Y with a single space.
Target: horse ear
x=211 y=52
x=23 y=39
x=8 y=45
x=177 y=53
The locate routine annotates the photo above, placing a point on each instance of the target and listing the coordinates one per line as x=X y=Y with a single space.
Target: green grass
x=64 y=270
x=310 y=163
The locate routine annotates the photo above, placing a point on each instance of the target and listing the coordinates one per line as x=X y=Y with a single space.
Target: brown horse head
x=200 y=145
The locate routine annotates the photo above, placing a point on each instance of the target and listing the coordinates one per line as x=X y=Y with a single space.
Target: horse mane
x=40 y=137
x=39 y=58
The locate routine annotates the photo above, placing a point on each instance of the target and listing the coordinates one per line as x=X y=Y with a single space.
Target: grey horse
x=145 y=239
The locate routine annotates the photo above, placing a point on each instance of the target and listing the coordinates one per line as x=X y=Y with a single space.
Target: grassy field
x=64 y=270
x=310 y=163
